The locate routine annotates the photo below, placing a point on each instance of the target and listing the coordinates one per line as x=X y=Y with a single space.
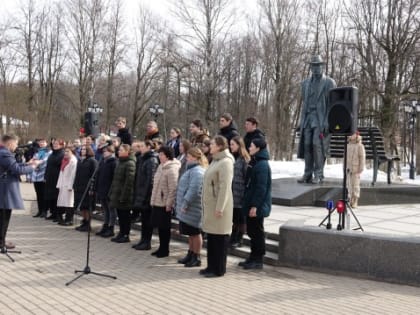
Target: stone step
x=272 y=242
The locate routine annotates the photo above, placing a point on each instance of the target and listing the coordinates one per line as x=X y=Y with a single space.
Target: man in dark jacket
x=145 y=172
x=102 y=186
x=256 y=204
x=135 y=148
x=152 y=132
x=252 y=131
x=10 y=172
x=123 y=133
x=228 y=128
x=51 y=177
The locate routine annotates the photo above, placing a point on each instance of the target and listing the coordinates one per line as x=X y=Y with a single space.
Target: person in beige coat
x=163 y=197
x=217 y=205
x=355 y=165
x=65 y=183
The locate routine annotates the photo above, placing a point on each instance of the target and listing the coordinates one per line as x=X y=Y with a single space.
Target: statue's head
x=317 y=65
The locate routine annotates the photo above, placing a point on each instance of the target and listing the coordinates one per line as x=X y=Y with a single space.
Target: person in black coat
x=51 y=177
x=103 y=183
x=123 y=132
x=85 y=169
x=143 y=186
x=252 y=131
x=228 y=128
x=256 y=204
x=152 y=132
x=175 y=140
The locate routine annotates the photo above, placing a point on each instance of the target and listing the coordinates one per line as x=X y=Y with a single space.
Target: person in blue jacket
x=256 y=204
x=10 y=172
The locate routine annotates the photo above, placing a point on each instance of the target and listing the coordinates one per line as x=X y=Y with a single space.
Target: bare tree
x=387 y=33
x=8 y=70
x=148 y=36
x=281 y=18
x=210 y=21
x=50 y=61
x=114 y=47
x=84 y=29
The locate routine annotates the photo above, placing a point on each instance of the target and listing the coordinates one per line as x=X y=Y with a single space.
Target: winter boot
x=83 y=226
x=102 y=230
x=195 y=261
x=187 y=258
x=108 y=232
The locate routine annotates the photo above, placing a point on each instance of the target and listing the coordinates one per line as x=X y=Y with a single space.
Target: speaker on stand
x=342 y=110
x=342 y=120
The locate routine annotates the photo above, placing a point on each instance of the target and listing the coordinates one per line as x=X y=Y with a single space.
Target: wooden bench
x=373 y=141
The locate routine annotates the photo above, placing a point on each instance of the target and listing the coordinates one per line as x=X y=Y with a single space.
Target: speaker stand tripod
x=347 y=206
x=86 y=270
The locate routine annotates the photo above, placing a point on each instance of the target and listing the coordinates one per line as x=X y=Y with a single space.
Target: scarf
x=41 y=153
x=64 y=163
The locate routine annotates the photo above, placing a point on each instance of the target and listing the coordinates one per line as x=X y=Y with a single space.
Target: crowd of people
x=217 y=187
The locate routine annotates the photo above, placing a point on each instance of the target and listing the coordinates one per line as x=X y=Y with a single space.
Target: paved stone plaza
x=35 y=283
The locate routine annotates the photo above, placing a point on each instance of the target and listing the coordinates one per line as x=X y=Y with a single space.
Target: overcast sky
x=159 y=7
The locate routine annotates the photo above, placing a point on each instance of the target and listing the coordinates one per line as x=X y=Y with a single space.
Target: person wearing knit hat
x=256 y=204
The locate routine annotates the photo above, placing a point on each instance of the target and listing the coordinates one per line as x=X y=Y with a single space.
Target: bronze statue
x=314 y=138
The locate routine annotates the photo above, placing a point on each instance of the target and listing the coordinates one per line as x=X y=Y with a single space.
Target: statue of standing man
x=314 y=138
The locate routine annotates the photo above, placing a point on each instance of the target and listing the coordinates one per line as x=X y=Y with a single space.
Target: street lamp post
x=412 y=109
x=95 y=108
x=156 y=110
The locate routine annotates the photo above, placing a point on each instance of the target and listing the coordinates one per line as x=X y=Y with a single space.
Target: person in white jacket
x=65 y=201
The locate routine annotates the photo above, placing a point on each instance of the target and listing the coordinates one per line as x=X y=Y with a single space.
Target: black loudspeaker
x=92 y=124
x=342 y=110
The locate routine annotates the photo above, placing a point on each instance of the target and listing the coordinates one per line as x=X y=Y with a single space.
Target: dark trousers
x=5 y=215
x=124 y=219
x=217 y=248
x=110 y=214
x=146 y=225
x=52 y=205
x=255 y=230
x=40 y=196
x=69 y=211
x=164 y=239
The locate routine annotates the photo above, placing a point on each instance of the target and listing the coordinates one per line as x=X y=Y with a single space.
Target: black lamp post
x=95 y=108
x=156 y=110
x=412 y=109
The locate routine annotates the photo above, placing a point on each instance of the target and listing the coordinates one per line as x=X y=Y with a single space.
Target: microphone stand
x=86 y=270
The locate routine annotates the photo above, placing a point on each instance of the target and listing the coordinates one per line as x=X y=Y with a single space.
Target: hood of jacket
x=171 y=164
x=148 y=155
x=131 y=157
x=262 y=155
x=223 y=154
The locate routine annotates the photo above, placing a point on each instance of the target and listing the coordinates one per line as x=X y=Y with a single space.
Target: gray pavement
x=35 y=283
